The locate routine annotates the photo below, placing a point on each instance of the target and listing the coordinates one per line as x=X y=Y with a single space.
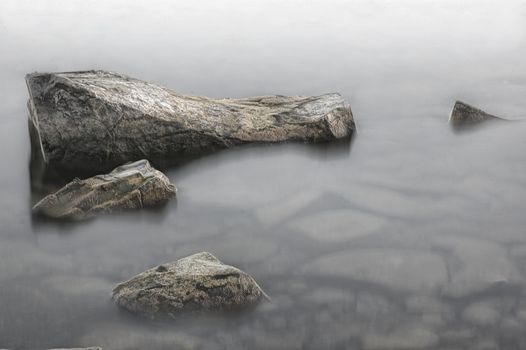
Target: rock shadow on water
x=46 y=177
x=153 y=215
x=333 y=150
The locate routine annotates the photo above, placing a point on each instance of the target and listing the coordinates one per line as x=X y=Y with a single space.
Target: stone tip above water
x=464 y=114
x=130 y=186
x=199 y=282
x=98 y=119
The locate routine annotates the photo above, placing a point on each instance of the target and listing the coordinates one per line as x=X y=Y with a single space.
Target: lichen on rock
x=130 y=186
x=199 y=282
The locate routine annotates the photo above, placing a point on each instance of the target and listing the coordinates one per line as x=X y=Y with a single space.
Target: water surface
x=413 y=236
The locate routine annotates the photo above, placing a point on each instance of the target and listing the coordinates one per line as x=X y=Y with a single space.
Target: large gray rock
x=82 y=120
x=130 y=186
x=198 y=282
x=465 y=115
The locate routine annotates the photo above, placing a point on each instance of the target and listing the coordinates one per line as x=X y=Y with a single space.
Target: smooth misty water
x=414 y=236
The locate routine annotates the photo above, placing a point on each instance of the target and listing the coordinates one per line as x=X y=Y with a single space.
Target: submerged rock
x=481 y=314
x=130 y=186
x=339 y=225
x=199 y=282
x=476 y=265
x=396 y=269
x=90 y=348
x=465 y=115
x=117 y=335
x=83 y=120
x=406 y=337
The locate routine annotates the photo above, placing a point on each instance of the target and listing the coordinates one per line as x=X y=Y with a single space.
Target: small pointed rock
x=199 y=282
x=97 y=120
x=130 y=186
x=464 y=114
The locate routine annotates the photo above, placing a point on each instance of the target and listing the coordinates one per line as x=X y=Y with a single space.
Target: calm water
x=414 y=236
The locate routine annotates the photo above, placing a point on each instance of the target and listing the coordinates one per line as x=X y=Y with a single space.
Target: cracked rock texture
x=464 y=114
x=101 y=119
x=199 y=282
x=130 y=186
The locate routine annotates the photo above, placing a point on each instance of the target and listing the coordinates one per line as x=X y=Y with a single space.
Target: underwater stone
x=404 y=338
x=396 y=269
x=90 y=348
x=199 y=282
x=95 y=120
x=130 y=186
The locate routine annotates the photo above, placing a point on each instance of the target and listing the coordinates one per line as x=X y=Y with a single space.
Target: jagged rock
x=101 y=119
x=130 y=186
x=464 y=114
x=198 y=282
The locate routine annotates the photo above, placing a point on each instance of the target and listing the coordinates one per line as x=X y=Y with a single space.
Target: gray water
x=413 y=236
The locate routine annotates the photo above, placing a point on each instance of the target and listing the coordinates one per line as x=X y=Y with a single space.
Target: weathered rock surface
x=101 y=119
x=464 y=115
x=130 y=186
x=199 y=282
